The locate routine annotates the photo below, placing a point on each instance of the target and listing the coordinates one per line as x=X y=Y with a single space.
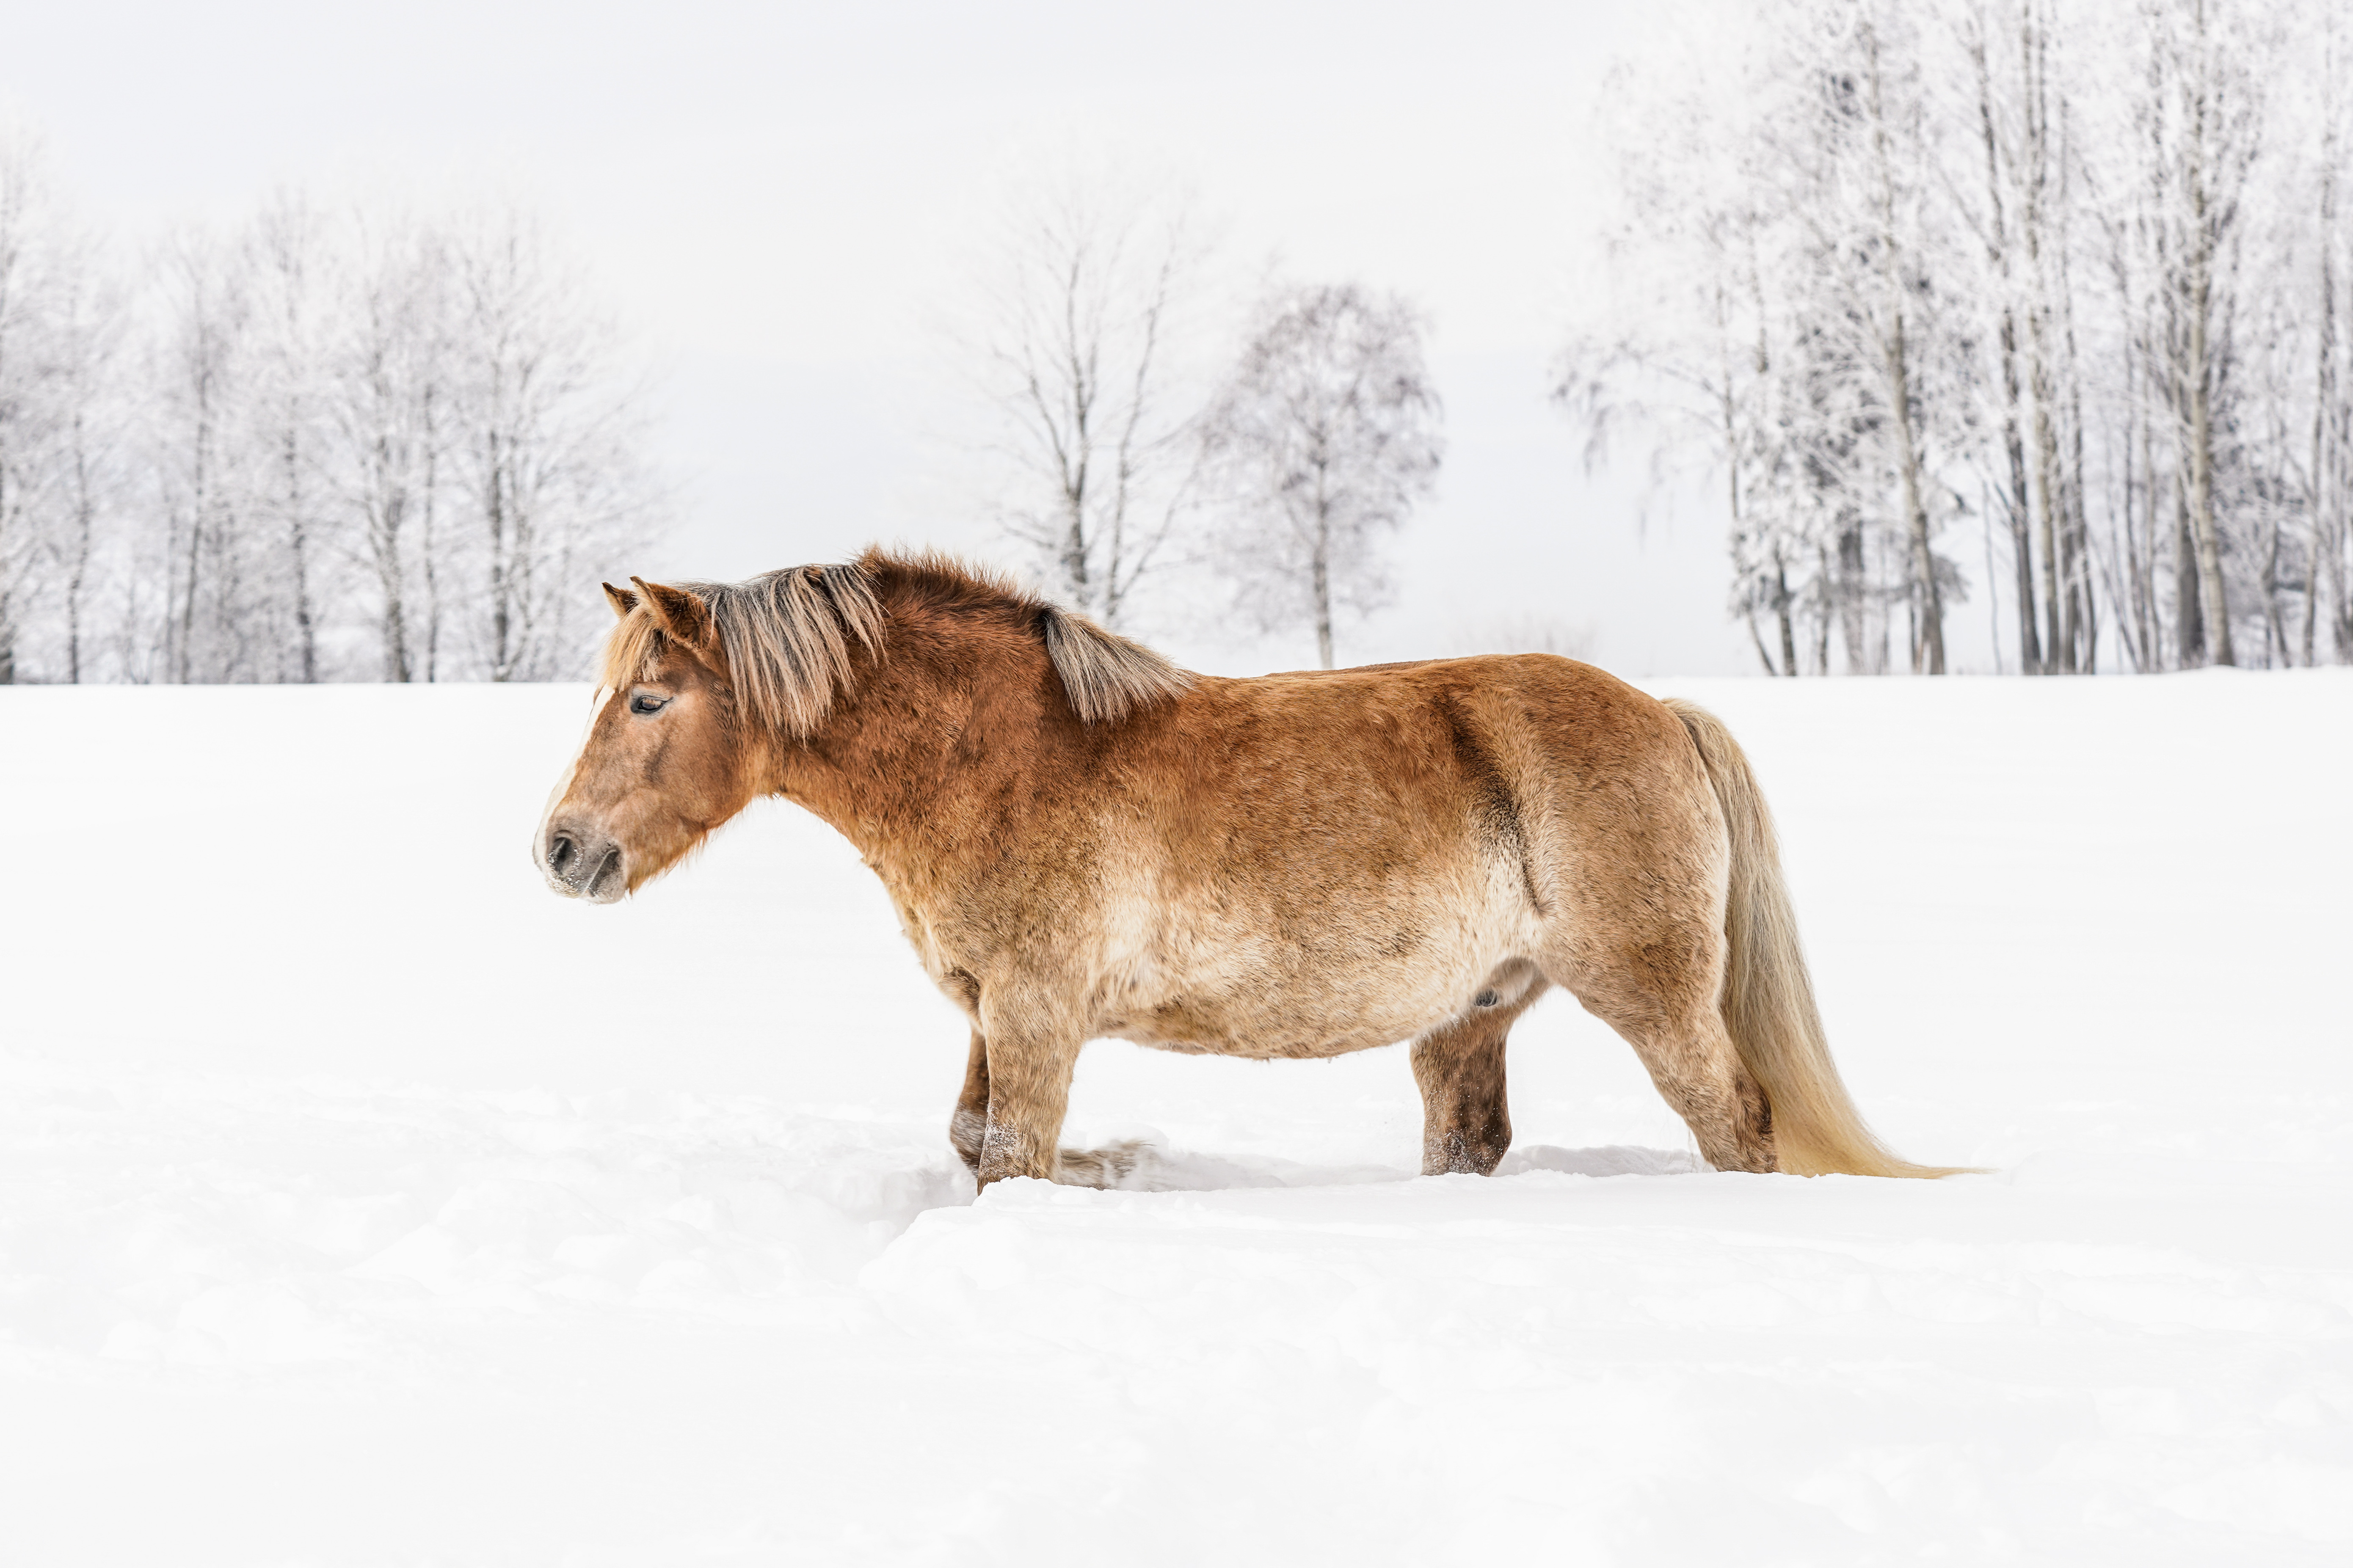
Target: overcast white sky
x=778 y=200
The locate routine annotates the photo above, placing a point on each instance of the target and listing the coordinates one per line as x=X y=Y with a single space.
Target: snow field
x=361 y=1203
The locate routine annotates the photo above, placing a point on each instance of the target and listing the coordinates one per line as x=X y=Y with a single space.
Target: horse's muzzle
x=583 y=863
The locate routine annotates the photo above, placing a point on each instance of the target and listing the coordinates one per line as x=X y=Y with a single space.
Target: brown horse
x=1083 y=841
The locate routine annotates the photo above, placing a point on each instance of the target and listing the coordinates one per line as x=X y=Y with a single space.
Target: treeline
x=352 y=444
x=2060 y=285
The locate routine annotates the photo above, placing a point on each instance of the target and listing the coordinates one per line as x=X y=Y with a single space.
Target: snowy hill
x=361 y=1203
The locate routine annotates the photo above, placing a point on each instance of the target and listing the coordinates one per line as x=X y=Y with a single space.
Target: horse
x=1083 y=841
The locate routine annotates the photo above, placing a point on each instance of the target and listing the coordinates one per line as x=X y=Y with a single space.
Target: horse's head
x=718 y=692
x=667 y=759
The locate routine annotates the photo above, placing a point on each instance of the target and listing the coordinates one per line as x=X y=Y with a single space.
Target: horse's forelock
x=631 y=652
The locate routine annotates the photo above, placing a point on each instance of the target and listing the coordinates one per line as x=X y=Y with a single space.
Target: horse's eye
x=644 y=704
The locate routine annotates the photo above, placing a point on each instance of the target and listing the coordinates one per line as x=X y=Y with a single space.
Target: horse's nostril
x=559 y=852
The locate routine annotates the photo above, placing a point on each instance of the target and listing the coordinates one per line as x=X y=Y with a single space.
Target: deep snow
x=362 y=1202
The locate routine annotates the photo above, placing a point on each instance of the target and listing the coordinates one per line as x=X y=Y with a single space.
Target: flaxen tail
x=1768 y=1000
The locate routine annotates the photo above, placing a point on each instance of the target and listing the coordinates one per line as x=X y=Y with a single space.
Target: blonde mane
x=792 y=637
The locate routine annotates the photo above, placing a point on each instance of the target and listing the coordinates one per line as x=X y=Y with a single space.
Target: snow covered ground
x=363 y=1203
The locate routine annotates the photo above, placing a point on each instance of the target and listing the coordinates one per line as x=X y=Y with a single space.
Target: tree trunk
x=502 y=565
x=1928 y=647
x=200 y=505
x=2030 y=652
x=1781 y=609
x=1322 y=587
x=2212 y=595
x=2324 y=392
x=2057 y=653
x=2202 y=535
x=1993 y=589
x=1824 y=584
x=85 y=516
x=1074 y=558
x=2082 y=607
x=2189 y=615
x=388 y=573
x=306 y=631
x=1928 y=644
x=2275 y=645
x=388 y=515
x=2021 y=513
x=2141 y=543
x=1852 y=584
x=425 y=544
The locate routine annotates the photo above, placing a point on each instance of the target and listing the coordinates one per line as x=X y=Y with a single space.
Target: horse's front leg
x=970 y=1122
x=1025 y=1072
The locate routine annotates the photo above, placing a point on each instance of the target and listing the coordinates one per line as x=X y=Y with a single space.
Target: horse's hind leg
x=1659 y=990
x=1693 y=1063
x=1466 y=1120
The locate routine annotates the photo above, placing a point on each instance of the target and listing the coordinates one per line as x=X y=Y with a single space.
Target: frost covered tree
x=546 y=442
x=1781 y=300
x=2076 y=271
x=291 y=274
x=1322 y=438
x=26 y=408
x=60 y=423
x=1089 y=303
x=318 y=446
x=91 y=440
x=1683 y=355
x=2327 y=266
x=219 y=582
x=391 y=369
x=490 y=449
x=208 y=631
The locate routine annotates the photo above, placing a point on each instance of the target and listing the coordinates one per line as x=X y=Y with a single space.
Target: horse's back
x=1519 y=718
x=1542 y=775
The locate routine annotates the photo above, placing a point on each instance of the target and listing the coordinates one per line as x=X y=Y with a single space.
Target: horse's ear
x=623 y=600
x=682 y=614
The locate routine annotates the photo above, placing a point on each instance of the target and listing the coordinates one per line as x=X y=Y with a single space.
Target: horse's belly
x=1213 y=1032
x=1243 y=999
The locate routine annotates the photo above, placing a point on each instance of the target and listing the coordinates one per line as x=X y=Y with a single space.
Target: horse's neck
x=913 y=766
